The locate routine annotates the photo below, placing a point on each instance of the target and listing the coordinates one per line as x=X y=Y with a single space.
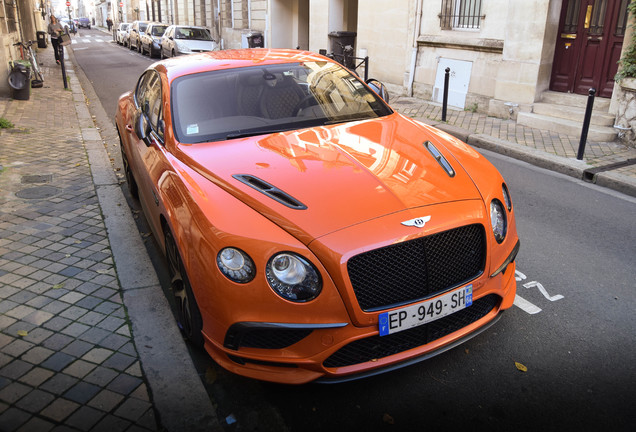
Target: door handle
x=588 y=17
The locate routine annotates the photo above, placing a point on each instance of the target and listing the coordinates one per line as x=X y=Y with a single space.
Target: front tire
x=188 y=314
x=130 y=179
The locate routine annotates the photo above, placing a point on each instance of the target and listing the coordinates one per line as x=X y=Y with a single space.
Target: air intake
x=271 y=191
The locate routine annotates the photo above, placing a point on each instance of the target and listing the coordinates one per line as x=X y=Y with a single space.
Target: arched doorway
x=588 y=46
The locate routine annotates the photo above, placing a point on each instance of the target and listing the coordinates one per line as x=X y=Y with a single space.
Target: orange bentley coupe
x=310 y=231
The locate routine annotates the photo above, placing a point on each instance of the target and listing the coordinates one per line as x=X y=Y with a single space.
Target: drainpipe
x=416 y=33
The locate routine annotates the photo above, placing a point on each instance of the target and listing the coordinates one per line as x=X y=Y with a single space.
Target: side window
x=142 y=87
x=460 y=14
x=148 y=98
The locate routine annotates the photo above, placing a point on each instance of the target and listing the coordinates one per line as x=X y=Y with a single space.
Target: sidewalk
x=87 y=339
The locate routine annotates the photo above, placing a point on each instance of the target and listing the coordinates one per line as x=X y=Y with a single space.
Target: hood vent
x=440 y=158
x=271 y=191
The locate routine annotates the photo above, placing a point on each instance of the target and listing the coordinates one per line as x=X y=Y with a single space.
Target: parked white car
x=122 y=34
x=179 y=40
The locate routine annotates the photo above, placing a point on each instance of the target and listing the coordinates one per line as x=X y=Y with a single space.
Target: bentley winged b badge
x=417 y=222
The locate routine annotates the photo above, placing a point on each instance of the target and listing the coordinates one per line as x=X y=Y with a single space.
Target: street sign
x=68 y=3
x=121 y=4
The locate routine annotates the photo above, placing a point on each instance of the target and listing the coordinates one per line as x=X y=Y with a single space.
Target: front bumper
x=300 y=353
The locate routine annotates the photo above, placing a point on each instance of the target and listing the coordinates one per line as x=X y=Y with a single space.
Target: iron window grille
x=461 y=14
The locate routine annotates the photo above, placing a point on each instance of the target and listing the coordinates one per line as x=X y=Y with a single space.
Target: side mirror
x=379 y=88
x=142 y=128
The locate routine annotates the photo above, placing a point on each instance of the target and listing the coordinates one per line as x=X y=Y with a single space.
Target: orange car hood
x=344 y=174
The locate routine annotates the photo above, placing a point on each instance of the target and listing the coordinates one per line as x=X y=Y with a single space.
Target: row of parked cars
x=162 y=40
x=71 y=25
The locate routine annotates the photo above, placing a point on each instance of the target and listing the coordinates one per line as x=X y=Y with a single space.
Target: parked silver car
x=151 y=39
x=137 y=29
x=122 y=34
x=179 y=40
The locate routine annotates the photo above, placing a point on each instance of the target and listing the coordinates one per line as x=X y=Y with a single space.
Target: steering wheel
x=305 y=102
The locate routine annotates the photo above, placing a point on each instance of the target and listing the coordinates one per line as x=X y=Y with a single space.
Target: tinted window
x=230 y=103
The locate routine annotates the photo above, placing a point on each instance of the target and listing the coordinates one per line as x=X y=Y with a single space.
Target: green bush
x=627 y=64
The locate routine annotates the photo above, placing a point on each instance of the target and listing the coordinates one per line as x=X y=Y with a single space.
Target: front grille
x=417 y=269
x=241 y=336
x=376 y=347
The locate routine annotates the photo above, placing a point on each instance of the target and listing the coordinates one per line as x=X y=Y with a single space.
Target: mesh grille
x=376 y=347
x=265 y=338
x=417 y=269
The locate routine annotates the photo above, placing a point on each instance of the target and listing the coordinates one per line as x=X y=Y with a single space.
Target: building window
x=460 y=14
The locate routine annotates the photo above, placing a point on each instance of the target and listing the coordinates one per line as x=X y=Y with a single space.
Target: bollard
x=61 y=54
x=445 y=100
x=586 y=123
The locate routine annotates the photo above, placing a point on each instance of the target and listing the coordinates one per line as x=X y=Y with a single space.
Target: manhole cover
x=37 y=178
x=37 y=192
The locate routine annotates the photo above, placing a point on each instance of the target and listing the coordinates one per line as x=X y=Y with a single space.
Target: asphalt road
x=573 y=329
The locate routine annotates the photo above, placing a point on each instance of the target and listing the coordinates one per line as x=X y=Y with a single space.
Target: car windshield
x=158 y=30
x=125 y=26
x=192 y=33
x=233 y=103
x=143 y=27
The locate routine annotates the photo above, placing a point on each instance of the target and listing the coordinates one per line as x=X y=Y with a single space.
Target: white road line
x=526 y=306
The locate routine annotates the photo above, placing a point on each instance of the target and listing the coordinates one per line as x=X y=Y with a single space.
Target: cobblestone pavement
x=67 y=359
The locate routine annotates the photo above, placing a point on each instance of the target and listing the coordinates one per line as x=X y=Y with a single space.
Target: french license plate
x=426 y=311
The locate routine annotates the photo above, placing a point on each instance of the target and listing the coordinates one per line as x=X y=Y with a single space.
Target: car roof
x=231 y=59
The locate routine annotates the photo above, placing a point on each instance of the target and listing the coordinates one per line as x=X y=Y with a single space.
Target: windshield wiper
x=254 y=133
x=345 y=120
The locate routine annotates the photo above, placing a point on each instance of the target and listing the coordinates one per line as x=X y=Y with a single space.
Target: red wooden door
x=588 y=46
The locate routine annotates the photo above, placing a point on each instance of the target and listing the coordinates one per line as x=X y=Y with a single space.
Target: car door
x=147 y=153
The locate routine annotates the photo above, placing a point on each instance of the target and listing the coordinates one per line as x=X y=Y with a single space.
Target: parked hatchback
x=137 y=30
x=179 y=40
x=121 y=37
x=151 y=39
x=84 y=22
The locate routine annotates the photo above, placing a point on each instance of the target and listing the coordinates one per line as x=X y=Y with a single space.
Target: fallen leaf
x=58 y=286
x=103 y=271
x=521 y=367
x=22 y=333
x=388 y=419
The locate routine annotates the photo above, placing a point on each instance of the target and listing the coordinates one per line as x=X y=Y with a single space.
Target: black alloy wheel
x=188 y=314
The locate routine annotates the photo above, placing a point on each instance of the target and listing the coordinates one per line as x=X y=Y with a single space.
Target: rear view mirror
x=142 y=128
x=379 y=88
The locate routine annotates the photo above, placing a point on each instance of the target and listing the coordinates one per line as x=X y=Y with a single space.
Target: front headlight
x=293 y=277
x=236 y=265
x=506 y=196
x=498 y=220
x=183 y=48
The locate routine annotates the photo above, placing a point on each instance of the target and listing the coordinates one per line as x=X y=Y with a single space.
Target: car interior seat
x=280 y=97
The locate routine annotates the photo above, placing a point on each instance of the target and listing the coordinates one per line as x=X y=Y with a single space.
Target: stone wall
x=626 y=110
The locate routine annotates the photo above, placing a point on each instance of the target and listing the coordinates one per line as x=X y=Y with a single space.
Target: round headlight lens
x=293 y=277
x=498 y=220
x=506 y=196
x=236 y=265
